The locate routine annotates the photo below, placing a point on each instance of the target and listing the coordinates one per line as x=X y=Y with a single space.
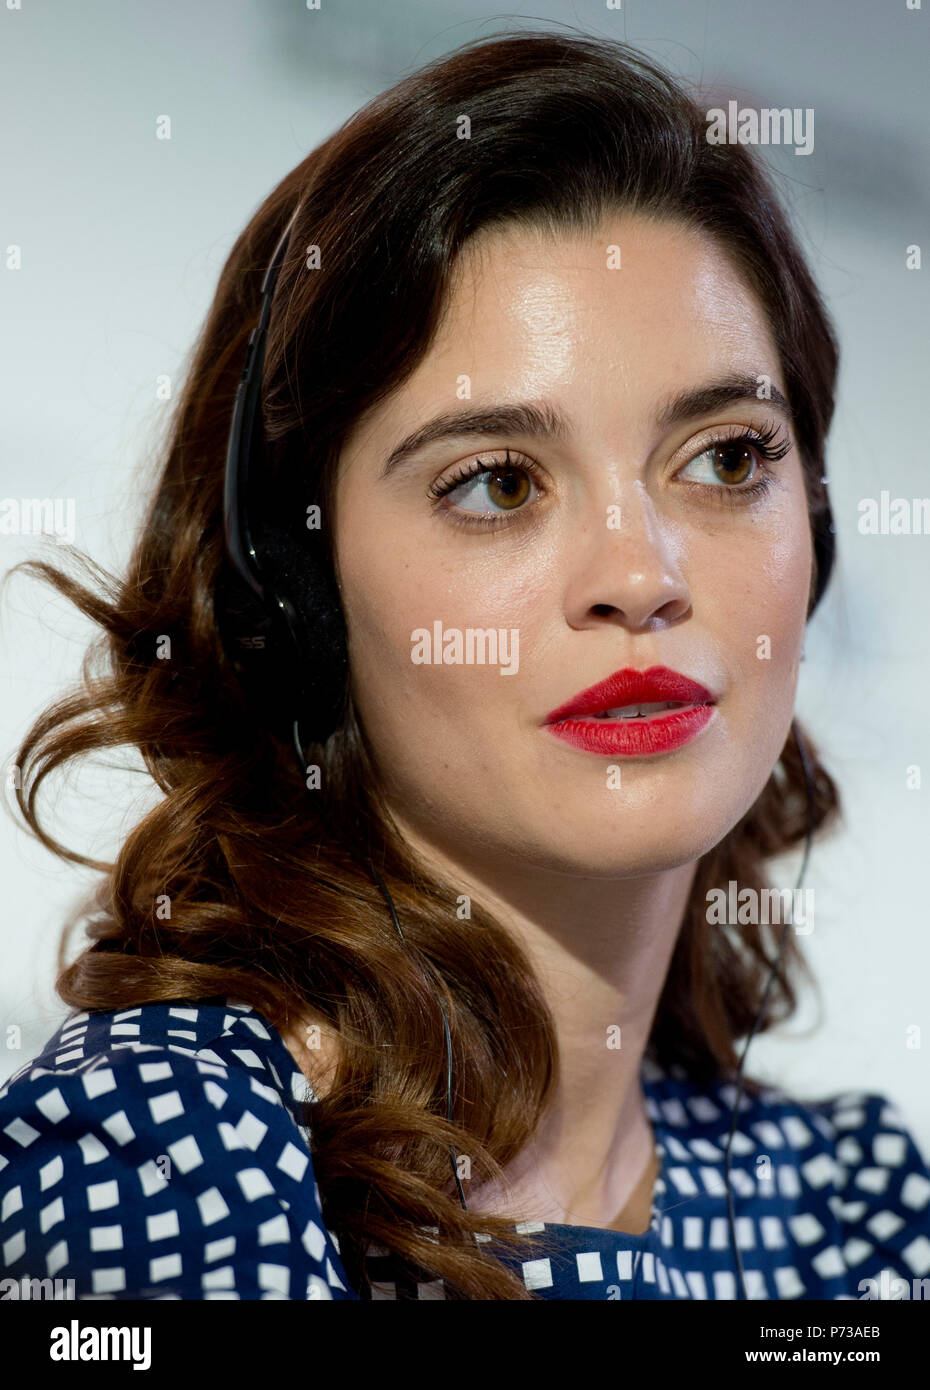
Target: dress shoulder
x=832 y=1196
x=882 y=1194
x=159 y=1153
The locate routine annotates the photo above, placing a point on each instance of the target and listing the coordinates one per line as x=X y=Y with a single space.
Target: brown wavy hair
x=267 y=905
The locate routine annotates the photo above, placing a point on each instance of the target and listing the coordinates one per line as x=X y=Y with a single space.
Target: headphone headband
x=240 y=446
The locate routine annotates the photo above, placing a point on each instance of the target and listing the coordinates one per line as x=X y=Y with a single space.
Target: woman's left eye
x=736 y=467
x=730 y=461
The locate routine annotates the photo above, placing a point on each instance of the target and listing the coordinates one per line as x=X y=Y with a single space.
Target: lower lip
x=635 y=738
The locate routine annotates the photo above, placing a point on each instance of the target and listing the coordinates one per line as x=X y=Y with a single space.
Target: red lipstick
x=640 y=731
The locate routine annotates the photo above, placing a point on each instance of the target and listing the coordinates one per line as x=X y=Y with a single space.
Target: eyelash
x=765 y=442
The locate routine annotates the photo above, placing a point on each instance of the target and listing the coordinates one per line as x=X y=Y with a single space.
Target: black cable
x=445 y=1023
x=809 y=783
x=377 y=879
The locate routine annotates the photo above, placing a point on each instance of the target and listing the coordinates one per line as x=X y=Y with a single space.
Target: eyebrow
x=545 y=422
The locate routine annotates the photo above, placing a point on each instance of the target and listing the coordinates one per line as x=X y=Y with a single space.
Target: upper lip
x=629 y=687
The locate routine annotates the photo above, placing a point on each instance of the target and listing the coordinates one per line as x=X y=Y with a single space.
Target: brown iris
x=732 y=457
x=507 y=487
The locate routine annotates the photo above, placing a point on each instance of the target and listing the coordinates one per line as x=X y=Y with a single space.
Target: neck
x=601 y=949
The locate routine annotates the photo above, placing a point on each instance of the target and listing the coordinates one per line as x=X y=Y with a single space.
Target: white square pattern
x=165 y=1152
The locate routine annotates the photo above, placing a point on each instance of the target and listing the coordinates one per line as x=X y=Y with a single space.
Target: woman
x=544 y=396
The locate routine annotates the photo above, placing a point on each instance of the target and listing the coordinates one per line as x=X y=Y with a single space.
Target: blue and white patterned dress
x=158 y=1153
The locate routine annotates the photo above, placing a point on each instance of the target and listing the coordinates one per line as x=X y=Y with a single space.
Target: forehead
x=636 y=289
x=610 y=321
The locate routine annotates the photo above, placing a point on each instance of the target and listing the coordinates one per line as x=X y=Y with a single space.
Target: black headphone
x=281 y=621
x=280 y=615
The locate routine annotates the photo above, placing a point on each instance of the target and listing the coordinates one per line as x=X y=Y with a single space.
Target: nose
x=626 y=568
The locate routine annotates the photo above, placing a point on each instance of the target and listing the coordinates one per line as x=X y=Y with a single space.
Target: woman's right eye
x=504 y=484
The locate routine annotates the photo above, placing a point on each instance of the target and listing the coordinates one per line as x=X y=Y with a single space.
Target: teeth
x=633 y=711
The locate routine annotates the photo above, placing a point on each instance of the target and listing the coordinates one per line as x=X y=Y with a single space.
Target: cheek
x=777 y=584
x=762 y=632
x=755 y=577
x=405 y=587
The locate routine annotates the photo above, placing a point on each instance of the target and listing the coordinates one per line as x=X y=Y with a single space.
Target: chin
x=592 y=852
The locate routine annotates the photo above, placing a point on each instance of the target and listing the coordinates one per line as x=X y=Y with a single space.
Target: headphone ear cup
x=290 y=652
x=305 y=601
x=258 y=647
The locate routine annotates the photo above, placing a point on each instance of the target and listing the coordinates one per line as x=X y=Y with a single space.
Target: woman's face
x=628 y=538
